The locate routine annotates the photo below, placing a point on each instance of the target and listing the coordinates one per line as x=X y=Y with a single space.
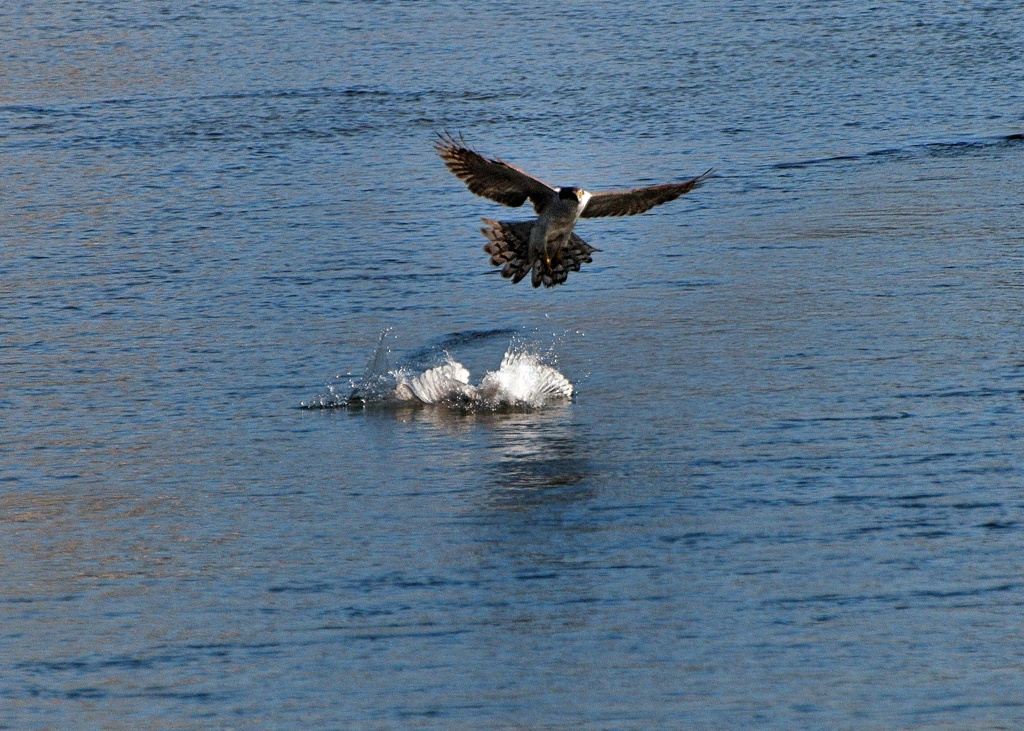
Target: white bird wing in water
x=522 y=380
x=446 y=381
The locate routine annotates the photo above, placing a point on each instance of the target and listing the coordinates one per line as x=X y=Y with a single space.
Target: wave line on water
x=934 y=149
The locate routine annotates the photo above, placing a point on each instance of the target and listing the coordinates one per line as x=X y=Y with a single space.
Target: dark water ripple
x=932 y=149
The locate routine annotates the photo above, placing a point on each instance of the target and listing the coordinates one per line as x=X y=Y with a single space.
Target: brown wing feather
x=637 y=200
x=494 y=179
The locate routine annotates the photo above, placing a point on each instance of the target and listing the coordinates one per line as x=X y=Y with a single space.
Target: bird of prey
x=547 y=246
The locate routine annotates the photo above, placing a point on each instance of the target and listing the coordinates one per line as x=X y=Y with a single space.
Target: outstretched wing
x=492 y=179
x=637 y=200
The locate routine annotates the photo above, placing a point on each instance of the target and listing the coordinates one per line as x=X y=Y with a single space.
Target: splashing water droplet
x=524 y=380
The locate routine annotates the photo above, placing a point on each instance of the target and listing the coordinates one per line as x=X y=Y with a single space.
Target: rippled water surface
x=787 y=492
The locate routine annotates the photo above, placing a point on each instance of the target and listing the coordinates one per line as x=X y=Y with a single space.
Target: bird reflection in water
x=536 y=459
x=531 y=457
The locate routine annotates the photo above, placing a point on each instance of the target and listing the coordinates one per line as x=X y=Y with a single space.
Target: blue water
x=786 y=494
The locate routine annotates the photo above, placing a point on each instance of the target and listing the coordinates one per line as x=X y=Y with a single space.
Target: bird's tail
x=509 y=248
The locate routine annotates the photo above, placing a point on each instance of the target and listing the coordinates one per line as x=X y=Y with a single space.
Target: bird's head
x=571 y=194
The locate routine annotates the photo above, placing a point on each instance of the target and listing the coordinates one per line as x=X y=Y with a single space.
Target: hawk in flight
x=546 y=247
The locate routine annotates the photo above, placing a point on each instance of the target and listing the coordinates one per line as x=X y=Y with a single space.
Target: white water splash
x=522 y=381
